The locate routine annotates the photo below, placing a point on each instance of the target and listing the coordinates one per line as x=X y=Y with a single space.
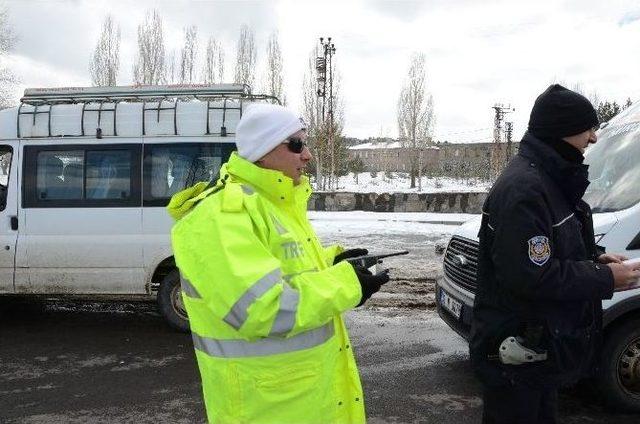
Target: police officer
x=537 y=316
x=264 y=298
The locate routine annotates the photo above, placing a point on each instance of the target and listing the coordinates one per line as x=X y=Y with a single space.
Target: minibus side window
x=169 y=168
x=108 y=174
x=60 y=175
x=82 y=176
x=5 y=167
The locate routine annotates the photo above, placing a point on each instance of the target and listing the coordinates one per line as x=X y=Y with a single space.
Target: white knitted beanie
x=262 y=127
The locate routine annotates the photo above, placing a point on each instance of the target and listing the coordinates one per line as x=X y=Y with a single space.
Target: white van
x=85 y=175
x=614 y=195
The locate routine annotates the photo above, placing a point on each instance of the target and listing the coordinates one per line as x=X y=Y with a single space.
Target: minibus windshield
x=614 y=161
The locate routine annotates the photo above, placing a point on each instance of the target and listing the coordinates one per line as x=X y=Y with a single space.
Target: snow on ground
x=400 y=181
x=380 y=232
x=361 y=222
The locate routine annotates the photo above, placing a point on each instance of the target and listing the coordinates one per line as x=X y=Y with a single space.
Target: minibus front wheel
x=619 y=378
x=170 y=302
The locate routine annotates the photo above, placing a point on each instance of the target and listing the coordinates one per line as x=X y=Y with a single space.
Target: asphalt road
x=64 y=362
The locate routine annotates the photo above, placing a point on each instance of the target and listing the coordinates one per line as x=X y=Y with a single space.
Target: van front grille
x=461 y=262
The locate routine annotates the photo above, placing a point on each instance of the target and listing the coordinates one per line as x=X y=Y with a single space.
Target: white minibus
x=85 y=175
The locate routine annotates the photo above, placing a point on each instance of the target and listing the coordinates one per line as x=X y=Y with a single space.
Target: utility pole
x=497 y=161
x=508 y=129
x=324 y=66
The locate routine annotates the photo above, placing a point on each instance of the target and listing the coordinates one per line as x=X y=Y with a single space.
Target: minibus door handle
x=14 y=223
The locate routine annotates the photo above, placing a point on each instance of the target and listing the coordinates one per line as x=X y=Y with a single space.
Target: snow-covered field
x=361 y=223
x=399 y=182
x=417 y=232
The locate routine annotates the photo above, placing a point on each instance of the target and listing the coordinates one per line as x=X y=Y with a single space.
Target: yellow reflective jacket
x=265 y=302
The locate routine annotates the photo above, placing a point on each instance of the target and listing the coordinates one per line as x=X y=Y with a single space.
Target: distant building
x=389 y=155
x=472 y=153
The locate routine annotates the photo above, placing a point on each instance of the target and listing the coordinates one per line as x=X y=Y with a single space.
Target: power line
x=497 y=155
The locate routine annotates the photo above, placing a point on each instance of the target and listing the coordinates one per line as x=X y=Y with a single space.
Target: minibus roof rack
x=38 y=97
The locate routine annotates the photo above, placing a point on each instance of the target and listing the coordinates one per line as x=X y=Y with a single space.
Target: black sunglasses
x=295 y=144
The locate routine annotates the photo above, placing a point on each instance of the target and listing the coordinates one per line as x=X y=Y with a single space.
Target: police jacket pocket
x=570 y=350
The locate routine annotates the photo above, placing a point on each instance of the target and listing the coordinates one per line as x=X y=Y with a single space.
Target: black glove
x=350 y=253
x=370 y=283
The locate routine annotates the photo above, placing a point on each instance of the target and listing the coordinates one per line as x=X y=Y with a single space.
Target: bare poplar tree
x=149 y=66
x=171 y=68
x=246 y=57
x=188 y=55
x=7 y=41
x=274 y=68
x=335 y=126
x=213 y=70
x=106 y=57
x=415 y=114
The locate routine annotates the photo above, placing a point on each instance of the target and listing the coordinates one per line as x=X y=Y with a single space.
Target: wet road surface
x=70 y=362
x=63 y=362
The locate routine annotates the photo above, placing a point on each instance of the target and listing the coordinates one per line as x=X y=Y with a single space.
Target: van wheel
x=619 y=379
x=170 y=302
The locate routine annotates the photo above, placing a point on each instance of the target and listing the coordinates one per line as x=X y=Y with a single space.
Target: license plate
x=450 y=304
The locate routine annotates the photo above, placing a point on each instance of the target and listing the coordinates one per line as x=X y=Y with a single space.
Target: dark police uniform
x=537 y=273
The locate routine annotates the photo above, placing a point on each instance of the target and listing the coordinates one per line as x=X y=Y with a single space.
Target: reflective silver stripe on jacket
x=563 y=221
x=288 y=277
x=286 y=318
x=263 y=347
x=279 y=227
x=238 y=313
x=247 y=190
x=188 y=288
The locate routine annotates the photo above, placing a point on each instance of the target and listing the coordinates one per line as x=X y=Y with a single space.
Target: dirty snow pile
x=399 y=182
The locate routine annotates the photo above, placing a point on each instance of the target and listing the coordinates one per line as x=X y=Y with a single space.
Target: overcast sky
x=478 y=52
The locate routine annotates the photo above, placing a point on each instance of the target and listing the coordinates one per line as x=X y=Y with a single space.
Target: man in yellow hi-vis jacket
x=264 y=298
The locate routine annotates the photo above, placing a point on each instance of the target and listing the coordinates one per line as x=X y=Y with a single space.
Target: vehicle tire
x=619 y=378
x=170 y=302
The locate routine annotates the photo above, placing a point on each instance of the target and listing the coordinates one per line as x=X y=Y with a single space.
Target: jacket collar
x=274 y=184
x=572 y=178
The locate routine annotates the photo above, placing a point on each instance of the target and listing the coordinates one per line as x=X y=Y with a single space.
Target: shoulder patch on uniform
x=539 y=250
